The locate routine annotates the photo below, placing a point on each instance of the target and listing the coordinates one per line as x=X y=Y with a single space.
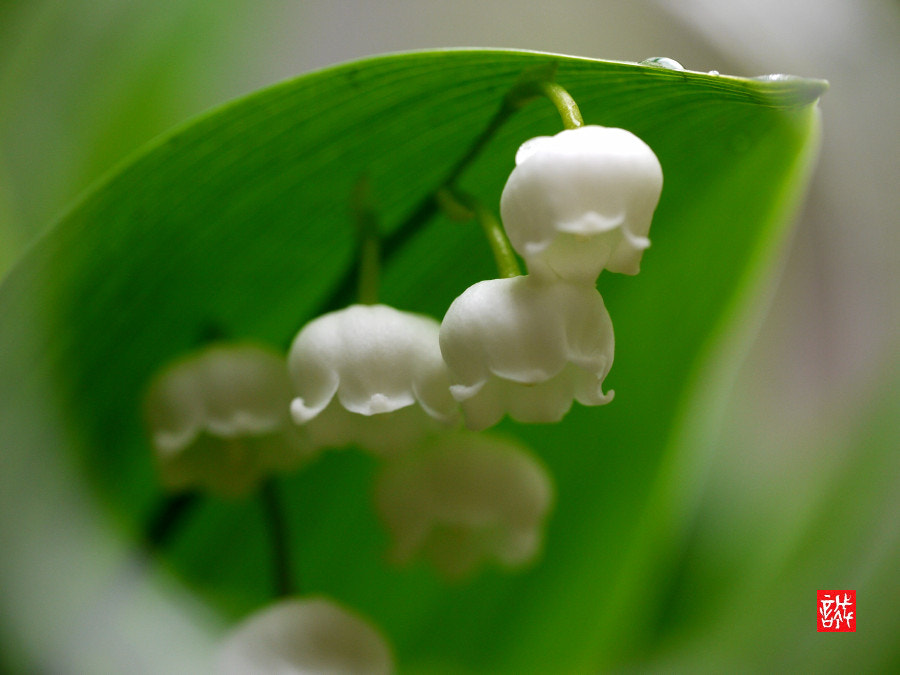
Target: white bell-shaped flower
x=371 y=375
x=528 y=347
x=582 y=201
x=218 y=419
x=304 y=637
x=464 y=500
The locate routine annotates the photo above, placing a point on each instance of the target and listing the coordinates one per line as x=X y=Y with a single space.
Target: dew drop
x=662 y=62
x=714 y=73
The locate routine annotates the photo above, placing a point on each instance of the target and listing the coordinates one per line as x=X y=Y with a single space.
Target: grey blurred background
x=802 y=491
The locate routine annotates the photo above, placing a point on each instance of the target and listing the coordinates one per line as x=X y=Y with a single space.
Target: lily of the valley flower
x=218 y=419
x=370 y=361
x=464 y=500
x=305 y=636
x=582 y=201
x=526 y=346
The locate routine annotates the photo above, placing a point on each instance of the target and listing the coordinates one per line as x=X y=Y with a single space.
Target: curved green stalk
x=460 y=206
x=565 y=104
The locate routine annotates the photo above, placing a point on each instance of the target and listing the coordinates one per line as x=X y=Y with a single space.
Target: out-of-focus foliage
x=83 y=84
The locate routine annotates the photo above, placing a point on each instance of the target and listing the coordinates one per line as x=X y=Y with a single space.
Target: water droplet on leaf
x=662 y=62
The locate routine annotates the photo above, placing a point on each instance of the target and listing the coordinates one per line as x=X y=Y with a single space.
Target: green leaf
x=242 y=219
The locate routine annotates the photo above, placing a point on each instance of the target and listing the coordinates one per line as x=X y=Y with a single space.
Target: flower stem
x=507 y=265
x=164 y=523
x=460 y=206
x=565 y=104
x=273 y=512
x=369 y=257
x=369 y=271
x=537 y=82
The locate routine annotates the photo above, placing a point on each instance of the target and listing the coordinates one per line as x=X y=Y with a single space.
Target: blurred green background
x=802 y=489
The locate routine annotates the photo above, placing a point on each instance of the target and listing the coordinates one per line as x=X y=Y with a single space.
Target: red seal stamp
x=836 y=611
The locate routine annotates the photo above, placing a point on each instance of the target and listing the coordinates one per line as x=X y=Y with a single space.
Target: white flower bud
x=582 y=201
x=527 y=347
x=218 y=419
x=464 y=500
x=304 y=637
x=370 y=361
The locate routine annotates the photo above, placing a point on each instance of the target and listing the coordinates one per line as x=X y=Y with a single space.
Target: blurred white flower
x=463 y=500
x=582 y=201
x=356 y=372
x=527 y=347
x=218 y=419
x=305 y=637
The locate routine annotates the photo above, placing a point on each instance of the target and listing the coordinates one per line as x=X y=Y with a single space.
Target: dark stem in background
x=163 y=524
x=273 y=513
x=171 y=512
